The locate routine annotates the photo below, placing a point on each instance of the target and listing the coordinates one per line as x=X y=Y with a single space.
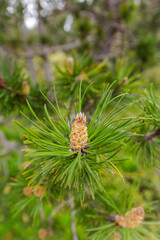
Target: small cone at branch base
x=79 y=135
x=70 y=62
x=27 y=191
x=38 y=191
x=43 y=233
x=25 y=88
x=131 y=219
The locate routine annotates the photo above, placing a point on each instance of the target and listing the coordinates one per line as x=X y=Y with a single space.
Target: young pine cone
x=131 y=219
x=25 y=88
x=27 y=191
x=38 y=191
x=43 y=233
x=79 y=136
x=70 y=63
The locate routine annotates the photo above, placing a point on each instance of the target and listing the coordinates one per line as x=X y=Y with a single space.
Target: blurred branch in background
x=6 y=148
x=73 y=223
x=9 y=146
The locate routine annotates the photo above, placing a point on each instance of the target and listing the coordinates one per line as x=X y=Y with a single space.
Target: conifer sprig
x=53 y=158
x=146 y=146
x=16 y=86
x=32 y=199
x=126 y=74
x=118 y=214
x=74 y=71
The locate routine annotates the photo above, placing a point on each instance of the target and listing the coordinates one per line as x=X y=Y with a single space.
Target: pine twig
x=53 y=213
x=73 y=224
x=150 y=136
x=48 y=50
x=41 y=213
x=50 y=219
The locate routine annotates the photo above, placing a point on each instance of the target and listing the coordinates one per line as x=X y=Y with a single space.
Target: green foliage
x=69 y=76
x=49 y=146
x=127 y=10
x=33 y=203
x=103 y=212
x=11 y=93
x=126 y=73
x=152 y=106
x=16 y=86
x=145 y=144
x=20 y=226
x=146 y=49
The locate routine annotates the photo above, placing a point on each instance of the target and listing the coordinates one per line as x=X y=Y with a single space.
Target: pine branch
x=48 y=50
x=71 y=158
x=73 y=224
x=151 y=136
x=41 y=213
x=21 y=94
x=90 y=11
x=55 y=211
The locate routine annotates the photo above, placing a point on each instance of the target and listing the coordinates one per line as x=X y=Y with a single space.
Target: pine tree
x=81 y=158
